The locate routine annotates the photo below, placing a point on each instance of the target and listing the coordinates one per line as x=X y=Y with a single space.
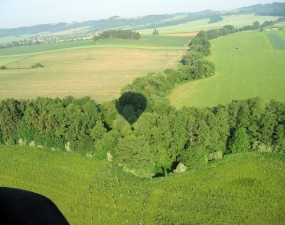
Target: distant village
x=49 y=39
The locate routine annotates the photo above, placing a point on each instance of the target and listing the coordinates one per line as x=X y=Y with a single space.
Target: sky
x=19 y=13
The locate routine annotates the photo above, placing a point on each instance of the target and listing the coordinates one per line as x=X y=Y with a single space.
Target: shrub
x=3 y=67
x=215 y=155
x=37 y=65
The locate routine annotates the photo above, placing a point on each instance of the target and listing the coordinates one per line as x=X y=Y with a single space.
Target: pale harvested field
x=100 y=76
x=192 y=34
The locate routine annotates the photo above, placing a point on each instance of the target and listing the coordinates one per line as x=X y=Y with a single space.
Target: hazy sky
x=16 y=13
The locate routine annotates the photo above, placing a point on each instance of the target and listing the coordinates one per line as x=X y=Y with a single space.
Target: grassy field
x=197 y=25
x=96 y=72
x=256 y=69
x=97 y=69
x=238 y=189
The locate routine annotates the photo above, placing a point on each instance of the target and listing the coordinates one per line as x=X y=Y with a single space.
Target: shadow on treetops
x=131 y=105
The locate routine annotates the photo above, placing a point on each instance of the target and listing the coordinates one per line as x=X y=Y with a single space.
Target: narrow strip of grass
x=277 y=42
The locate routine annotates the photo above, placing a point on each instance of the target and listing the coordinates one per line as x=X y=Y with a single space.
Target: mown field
x=256 y=69
x=238 y=189
x=277 y=42
x=97 y=69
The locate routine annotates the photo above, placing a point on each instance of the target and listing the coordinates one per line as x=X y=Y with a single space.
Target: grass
x=47 y=173
x=238 y=189
x=277 y=42
x=254 y=70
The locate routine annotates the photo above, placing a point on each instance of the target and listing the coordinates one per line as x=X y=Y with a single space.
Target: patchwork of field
x=192 y=26
x=9 y=55
x=256 y=69
x=197 y=25
x=239 y=189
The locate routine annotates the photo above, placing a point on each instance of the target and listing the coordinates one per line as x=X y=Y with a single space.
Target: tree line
x=124 y=34
x=140 y=131
x=229 y=29
x=152 y=144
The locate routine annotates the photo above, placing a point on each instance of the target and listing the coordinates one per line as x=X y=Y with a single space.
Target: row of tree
x=124 y=34
x=229 y=29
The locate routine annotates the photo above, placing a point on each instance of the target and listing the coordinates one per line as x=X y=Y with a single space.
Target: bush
x=3 y=67
x=37 y=65
x=215 y=155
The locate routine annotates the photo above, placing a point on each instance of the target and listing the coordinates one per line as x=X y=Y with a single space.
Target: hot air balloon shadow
x=131 y=105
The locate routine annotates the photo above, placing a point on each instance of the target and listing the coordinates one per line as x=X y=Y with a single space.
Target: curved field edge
x=98 y=73
x=245 y=188
x=256 y=69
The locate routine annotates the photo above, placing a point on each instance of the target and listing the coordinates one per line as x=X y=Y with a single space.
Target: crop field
x=238 y=189
x=197 y=25
x=148 y=42
x=99 y=73
x=277 y=42
x=256 y=69
x=85 y=68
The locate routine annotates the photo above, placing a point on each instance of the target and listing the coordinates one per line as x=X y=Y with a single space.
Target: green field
x=277 y=42
x=239 y=189
x=97 y=69
x=256 y=69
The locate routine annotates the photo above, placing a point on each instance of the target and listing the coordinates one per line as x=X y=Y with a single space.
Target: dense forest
x=140 y=131
x=124 y=34
x=274 y=9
